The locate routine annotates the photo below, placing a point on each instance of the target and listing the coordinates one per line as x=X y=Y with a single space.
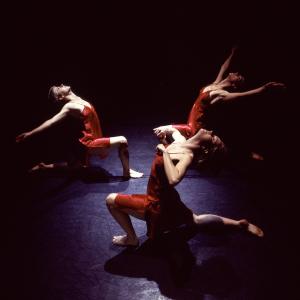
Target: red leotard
x=92 y=133
x=161 y=206
x=195 y=119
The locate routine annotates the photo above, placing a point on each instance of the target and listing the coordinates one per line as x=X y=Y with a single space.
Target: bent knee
x=110 y=199
x=198 y=219
x=118 y=141
x=123 y=140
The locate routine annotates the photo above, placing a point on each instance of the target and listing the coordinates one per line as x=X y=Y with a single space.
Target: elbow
x=173 y=181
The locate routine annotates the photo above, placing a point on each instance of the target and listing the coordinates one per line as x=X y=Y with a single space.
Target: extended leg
x=241 y=224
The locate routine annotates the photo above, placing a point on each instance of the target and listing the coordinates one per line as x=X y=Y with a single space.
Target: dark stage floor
x=62 y=247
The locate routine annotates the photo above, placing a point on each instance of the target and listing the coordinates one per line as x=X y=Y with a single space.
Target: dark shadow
x=63 y=178
x=58 y=186
x=87 y=175
x=170 y=262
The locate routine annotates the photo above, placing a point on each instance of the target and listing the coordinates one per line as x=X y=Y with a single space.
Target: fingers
x=161 y=129
x=281 y=85
x=158 y=131
x=274 y=84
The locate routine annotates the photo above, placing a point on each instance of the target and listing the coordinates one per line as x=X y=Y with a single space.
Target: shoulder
x=73 y=109
x=210 y=87
x=73 y=106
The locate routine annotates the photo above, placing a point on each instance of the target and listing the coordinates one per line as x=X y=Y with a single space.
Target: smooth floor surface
x=61 y=235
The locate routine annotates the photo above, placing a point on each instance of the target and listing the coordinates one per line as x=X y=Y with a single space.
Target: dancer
x=92 y=138
x=161 y=207
x=222 y=90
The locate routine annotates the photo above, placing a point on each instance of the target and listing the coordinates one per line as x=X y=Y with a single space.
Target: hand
x=21 y=137
x=272 y=85
x=162 y=131
x=160 y=149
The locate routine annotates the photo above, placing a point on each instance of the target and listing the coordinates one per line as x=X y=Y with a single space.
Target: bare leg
x=241 y=224
x=122 y=144
x=122 y=217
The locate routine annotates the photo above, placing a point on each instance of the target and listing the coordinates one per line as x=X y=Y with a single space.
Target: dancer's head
x=236 y=80
x=211 y=149
x=59 y=93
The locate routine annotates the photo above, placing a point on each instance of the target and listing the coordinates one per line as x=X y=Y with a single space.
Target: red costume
x=161 y=206
x=196 y=116
x=92 y=133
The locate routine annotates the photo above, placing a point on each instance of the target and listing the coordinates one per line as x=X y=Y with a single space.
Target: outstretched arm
x=226 y=96
x=225 y=66
x=174 y=173
x=66 y=110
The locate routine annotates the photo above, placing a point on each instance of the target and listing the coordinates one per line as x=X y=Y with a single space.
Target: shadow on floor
x=87 y=175
x=170 y=263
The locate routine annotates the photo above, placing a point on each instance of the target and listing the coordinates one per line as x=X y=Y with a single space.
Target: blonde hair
x=51 y=94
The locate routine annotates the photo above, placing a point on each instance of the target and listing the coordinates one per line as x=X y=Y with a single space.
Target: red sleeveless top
x=92 y=129
x=165 y=210
x=195 y=119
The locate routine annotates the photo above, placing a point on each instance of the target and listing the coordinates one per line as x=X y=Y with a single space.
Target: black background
x=134 y=60
x=144 y=64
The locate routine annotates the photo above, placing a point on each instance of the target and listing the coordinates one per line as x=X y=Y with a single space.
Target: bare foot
x=40 y=166
x=133 y=174
x=256 y=156
x=253 y=229
x=124 y=241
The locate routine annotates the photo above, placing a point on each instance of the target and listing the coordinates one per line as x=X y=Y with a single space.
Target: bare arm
x=65 y=111
x=225 y=66
x=222 y=95
x=174 y=173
